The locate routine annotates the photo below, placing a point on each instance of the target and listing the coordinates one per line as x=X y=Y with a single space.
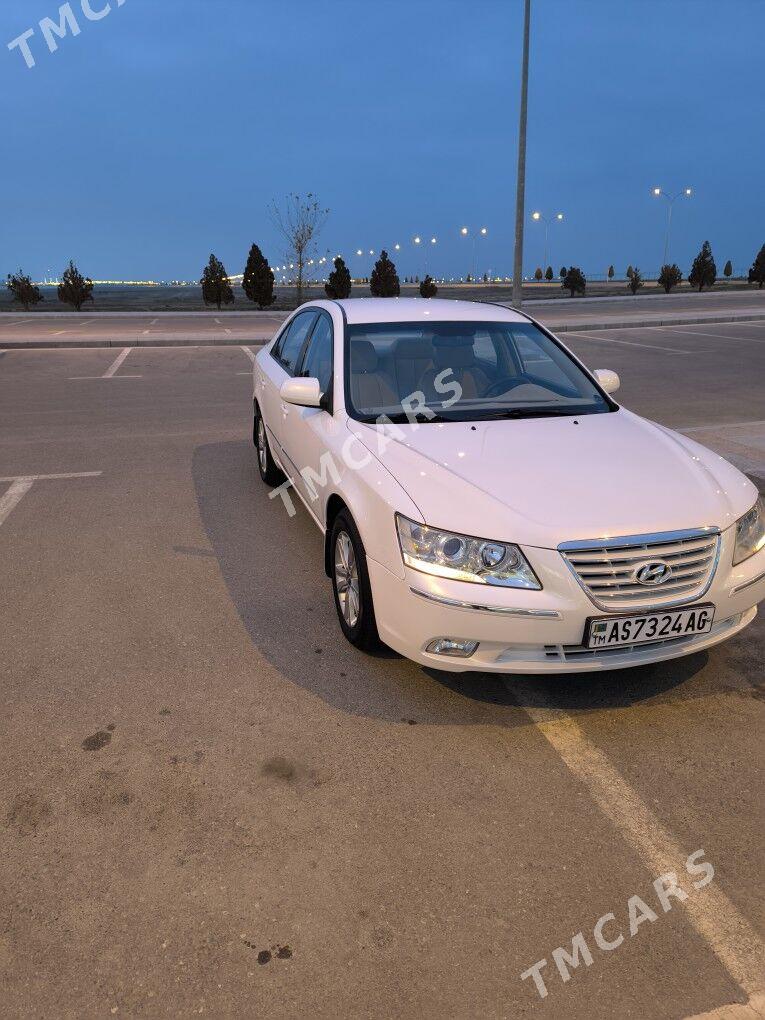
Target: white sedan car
x=486 y=504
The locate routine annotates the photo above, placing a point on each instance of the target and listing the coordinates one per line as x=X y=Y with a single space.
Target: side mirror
x=302 y=391
x=609 y=380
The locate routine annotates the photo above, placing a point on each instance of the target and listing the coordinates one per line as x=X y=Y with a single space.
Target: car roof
x=365 y=310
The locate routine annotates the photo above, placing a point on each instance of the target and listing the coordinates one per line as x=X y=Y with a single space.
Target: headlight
x=750 y=533
x=447 y=554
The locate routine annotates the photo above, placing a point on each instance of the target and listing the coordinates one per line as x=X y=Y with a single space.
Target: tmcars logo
x=666 y=888
x=52 y=30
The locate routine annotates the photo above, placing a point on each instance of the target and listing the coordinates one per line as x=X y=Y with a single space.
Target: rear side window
x=288 y=350
x=317 y=362
x=484 y=349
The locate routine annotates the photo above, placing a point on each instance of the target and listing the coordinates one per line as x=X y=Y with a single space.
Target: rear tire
x=350 y=583
x=269 y=472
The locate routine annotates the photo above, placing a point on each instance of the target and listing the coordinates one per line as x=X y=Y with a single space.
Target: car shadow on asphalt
x=273 y=568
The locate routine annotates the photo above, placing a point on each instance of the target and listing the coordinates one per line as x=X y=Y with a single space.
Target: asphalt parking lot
x=211 y=804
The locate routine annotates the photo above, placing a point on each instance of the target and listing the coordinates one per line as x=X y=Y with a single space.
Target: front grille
x=608 y=570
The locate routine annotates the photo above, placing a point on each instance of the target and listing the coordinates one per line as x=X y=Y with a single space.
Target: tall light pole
x=520 y=194
x=481 y=232
x=538 y=216
x=671 y=199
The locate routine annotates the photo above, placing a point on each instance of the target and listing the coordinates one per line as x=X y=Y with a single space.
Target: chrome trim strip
x=747 y=584
x=544 y=614
x=627 y=541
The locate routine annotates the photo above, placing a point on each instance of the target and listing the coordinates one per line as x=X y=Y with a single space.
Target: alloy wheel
x=262 y=447
x=347 y=579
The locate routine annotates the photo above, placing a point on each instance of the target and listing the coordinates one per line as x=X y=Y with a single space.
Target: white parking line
x=16 y=322
x=51 y=478
x=14 y=495
x=716 y=336
x=722 y=425
x=627 y=343
x=21 y=484
x=729 y=935
x=110 y=373
x=249 y=353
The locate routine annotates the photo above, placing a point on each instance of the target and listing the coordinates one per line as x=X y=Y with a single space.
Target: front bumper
x=522 y=631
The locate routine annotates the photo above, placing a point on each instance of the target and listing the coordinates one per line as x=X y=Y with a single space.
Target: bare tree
x=299 y=222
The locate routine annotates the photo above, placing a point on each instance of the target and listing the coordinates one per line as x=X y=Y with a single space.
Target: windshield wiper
x=403 y=419
x=528 y=412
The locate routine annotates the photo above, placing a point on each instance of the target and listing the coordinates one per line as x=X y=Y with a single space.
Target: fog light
x=452 y=646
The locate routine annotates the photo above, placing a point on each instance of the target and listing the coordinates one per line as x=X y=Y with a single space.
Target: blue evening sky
x=163 y=131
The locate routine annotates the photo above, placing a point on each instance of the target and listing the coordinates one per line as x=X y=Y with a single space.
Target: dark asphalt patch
x=97 y=741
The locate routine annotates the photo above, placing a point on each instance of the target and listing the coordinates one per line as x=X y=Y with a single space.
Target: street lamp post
x=520 y=193
x=671 y=199
x=482 y=232
x=538 y=216
x=417 y=241
x=433 y=243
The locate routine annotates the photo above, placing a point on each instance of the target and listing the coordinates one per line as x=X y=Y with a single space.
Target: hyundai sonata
x=485 y=502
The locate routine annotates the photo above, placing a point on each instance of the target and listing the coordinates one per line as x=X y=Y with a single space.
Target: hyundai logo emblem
x=653 y=572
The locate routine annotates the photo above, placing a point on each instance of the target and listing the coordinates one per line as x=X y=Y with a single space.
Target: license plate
x=613 y=631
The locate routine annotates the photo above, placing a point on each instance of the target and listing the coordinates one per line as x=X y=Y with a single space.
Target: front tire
x=350 y=583
x=269 y=472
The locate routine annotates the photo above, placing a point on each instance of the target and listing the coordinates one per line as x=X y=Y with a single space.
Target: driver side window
x=288 y=349
x=317 y=360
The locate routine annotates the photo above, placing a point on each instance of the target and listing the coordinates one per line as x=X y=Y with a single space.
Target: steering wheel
x=507 y=382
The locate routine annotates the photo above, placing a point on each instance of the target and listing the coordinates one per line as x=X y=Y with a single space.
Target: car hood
x=542 y=481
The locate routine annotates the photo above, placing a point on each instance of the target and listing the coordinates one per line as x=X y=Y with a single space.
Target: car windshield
x=462 y=371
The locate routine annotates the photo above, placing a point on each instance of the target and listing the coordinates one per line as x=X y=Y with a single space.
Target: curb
x=583 y=327
x=276 y=313
x=37 y=345
x=230 y=341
